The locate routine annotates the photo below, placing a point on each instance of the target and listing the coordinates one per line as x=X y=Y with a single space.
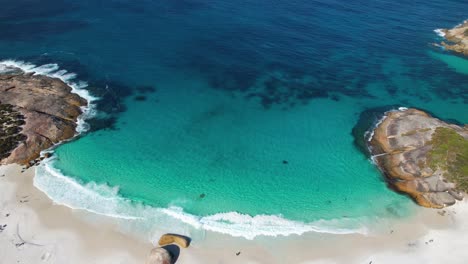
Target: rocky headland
x=422 y=156
x=458 y=38
x=36 y=112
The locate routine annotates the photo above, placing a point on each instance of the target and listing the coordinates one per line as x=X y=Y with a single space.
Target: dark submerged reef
x=274 y=63
x=111 y=93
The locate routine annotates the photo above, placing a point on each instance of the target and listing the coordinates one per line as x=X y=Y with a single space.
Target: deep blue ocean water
x=236 y=117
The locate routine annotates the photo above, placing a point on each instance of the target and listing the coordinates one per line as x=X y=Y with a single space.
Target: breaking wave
x=105 y=200
x=439 y=32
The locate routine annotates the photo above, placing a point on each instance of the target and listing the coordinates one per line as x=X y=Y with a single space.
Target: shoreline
x=457 y=38
x=62 y=235
x=79 y=236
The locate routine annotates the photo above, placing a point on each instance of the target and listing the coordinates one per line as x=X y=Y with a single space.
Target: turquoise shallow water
x=237 y=123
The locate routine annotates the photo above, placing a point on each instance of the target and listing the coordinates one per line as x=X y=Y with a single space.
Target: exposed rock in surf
x=458 y=38
x=367 y=119
x=159 y=256
x=48 y=107
x=180 y=240
x=422 y=156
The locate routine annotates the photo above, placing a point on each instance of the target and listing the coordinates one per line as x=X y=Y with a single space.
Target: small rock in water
x=202 y=195
x=285 y=162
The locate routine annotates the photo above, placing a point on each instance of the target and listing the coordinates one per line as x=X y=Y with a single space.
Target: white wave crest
x=52 y=70
x=371 y=131
x=439 y=32
x=104 y=200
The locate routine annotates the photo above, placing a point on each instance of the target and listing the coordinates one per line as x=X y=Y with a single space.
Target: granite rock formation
x=159 y=256
x=41 y=111
x=458 y=38
x=167 y=239
x=422 y=156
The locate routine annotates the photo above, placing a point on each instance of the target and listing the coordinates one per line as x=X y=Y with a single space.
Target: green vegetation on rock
x=450 y=153
x=10 y=129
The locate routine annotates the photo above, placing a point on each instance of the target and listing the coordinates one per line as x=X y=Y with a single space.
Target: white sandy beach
x=57 y=234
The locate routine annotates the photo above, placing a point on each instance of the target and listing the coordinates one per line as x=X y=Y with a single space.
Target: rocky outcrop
x=422 y=156
x=48 y=107
x=458 y=38
x=159 y=256
x=180 y=240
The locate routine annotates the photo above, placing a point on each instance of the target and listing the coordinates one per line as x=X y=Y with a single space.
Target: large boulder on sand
x=159 y=256
x=182 y=241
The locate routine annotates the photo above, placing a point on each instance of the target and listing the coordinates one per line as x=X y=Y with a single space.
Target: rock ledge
x=458 y=38
x=422 y=156
x=37 y=112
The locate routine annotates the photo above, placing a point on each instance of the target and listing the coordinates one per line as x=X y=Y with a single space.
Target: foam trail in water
x=104 y=200
x=52 y=70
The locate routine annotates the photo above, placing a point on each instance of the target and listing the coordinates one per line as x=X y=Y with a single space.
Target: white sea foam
x=52 y=70
x=371 y=131
x=402 y=108
x=104 y=200
x=439 y=32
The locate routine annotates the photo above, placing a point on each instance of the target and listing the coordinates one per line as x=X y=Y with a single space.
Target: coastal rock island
x=36 y=112
x=458 y=38
x=422 y=156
